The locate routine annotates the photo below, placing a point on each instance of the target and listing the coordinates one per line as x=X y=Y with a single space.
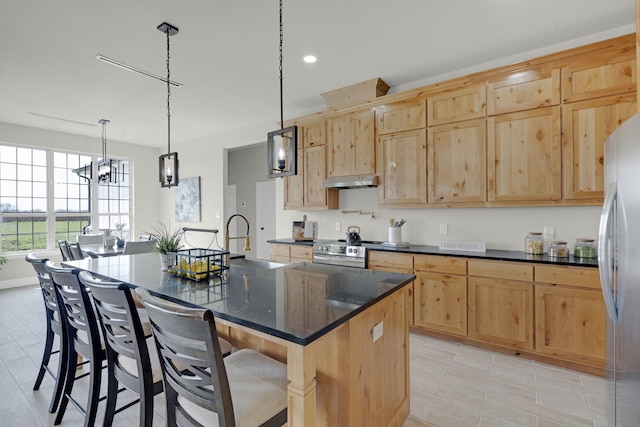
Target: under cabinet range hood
x=344 y=182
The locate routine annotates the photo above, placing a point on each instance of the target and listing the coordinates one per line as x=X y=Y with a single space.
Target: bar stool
x=132 y=360
x=64 y=250
x=202 y=388
x=55 y=327
x=83 y=339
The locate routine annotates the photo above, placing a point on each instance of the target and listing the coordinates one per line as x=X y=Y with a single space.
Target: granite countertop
x=296 y=302
x=491 y=254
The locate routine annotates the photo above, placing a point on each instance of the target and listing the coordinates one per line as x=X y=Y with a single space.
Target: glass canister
x=558 y=249
x=534 y=243
x=585 y=248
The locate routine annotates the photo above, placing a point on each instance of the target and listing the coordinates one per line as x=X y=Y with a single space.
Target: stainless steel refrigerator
x=619 y=263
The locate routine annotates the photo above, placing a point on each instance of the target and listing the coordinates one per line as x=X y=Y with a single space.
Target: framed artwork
x=188 y=200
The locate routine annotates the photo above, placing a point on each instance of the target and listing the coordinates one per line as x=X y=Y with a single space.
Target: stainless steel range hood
x=343 y=182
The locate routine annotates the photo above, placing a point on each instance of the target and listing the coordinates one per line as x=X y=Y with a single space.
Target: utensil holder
x=395 y=234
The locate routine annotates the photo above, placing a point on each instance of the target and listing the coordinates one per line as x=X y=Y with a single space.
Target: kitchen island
x=343 y=332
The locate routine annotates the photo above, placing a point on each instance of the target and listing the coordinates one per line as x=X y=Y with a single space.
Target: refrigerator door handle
x=604 y=257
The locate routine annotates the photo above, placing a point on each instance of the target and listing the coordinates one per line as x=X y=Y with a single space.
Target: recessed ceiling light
x=309 y=59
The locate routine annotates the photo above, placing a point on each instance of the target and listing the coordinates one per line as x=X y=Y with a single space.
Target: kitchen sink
x=258 y=264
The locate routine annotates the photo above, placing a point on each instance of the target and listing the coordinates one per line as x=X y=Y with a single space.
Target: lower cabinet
x=290 y=253
x=303 y=290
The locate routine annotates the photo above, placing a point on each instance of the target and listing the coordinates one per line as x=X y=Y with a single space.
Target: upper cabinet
x=351 y=144
x=602 y=74
x=524 y=157
x=524 y=91
x=402 y=167
x=401 y=116
x=305 y=190
x=457 y=159
x=586 y=127
x=457 y=105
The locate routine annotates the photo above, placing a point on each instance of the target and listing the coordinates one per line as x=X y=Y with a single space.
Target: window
x=44 y=197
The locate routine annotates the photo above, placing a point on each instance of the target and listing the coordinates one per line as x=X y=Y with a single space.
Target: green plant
x=3 y=260
x=167 y=240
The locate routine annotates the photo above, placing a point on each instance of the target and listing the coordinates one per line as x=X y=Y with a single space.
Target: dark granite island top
x=343 y=332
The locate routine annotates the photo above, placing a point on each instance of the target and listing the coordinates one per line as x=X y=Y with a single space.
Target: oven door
x=343 y=261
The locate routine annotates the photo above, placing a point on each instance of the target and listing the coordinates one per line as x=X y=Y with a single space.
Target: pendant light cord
x=281 y=102
x=104 y=122
x=168 y=95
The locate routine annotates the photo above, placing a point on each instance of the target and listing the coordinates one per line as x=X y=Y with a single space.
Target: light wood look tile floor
x=451 y=384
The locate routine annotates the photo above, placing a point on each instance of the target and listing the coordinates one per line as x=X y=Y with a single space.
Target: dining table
x=343 y=332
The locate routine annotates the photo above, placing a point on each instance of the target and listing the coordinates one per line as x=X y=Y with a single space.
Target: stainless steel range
x=339 y=253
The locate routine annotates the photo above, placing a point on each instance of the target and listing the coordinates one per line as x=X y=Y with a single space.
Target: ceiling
x=226 y=55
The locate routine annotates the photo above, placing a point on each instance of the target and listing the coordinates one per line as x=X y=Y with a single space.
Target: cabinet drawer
x=304 y=252
x=391 y=260
x=503 y=270
x=278 y=250
x=571 y=276
x=440 y=264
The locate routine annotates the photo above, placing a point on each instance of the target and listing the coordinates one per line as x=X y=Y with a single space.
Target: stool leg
x=68 y=383
x=46 y=356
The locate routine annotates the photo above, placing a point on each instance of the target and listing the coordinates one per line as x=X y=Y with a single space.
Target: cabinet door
x=401 y=116
x=363 y=145
x=316 y=310
x=501 y=312
x=313 y=134
x=294 y=186
x=440 y=302
x=294 y=298
x=604 y=74
x=279 y=252
x=571 y=323
x=457 y=105
x=524 y=91
x=403 y=169
x=339 y=139
x=457 y=162
x=586 y=126
x=315 y=195
x=524 y=156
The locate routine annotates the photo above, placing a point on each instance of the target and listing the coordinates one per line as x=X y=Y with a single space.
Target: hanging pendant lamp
x=282 y=144
x=107 y=172
x=168 y=165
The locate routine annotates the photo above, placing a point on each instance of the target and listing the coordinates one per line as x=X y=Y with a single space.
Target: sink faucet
x=245 y=237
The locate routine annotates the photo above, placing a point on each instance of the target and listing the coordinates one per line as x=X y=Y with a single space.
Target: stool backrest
x=51 y=303
x=64 y=250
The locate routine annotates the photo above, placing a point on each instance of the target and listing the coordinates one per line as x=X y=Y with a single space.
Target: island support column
x=301 y=372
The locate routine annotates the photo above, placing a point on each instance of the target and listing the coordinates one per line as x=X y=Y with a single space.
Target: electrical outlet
x=549 y=232
x=338 y=226
x=444 y=228
x=377 y=331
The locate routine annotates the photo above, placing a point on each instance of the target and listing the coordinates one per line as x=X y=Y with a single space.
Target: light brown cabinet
x=305 y=190
x=524 y=91
x=586 y=126
x=440 y=294
x=570 y=314
x=394 y=263
x=457 y=159
x=457 y=105
x=290 y=253
x=524 y=156
x=351 y=142
x=402 y=166
x=500 y=303
x=304 y=298
x=401 y=116
x=606 y=73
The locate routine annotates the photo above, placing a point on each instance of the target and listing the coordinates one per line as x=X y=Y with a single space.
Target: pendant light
x=282 y=143
x=107 y=173
x=168 y=165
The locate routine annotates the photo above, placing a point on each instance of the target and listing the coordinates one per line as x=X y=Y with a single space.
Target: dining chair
x=83 y=338
x=139 y=247
x=202 y=388
x=90 y=239
x=132 y=359
x=75 y=251
x=54 y=327
x=64 y=250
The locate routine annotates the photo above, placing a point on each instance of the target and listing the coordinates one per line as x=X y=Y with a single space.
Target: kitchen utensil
x=353 y=236
x=402 y=222
x=391 y=222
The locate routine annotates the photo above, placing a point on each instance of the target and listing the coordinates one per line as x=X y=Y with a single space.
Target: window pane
x=40 y=174
x=24 y=156
x=39 y=158
x=23 y=234
x=67 y=228
x=24 y=188
x=8 y=171
x=7 y=154
x=24 y=172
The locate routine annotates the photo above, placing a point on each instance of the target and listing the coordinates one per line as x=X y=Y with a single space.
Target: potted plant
x=3 y=260
x=167 y=240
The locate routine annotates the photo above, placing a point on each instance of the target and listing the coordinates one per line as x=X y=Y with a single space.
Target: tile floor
x=451 y=384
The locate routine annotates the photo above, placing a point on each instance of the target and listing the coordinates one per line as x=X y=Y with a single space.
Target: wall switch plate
x=444 y=228
x=377 y=331
x=337 y=226
x=549 y=232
